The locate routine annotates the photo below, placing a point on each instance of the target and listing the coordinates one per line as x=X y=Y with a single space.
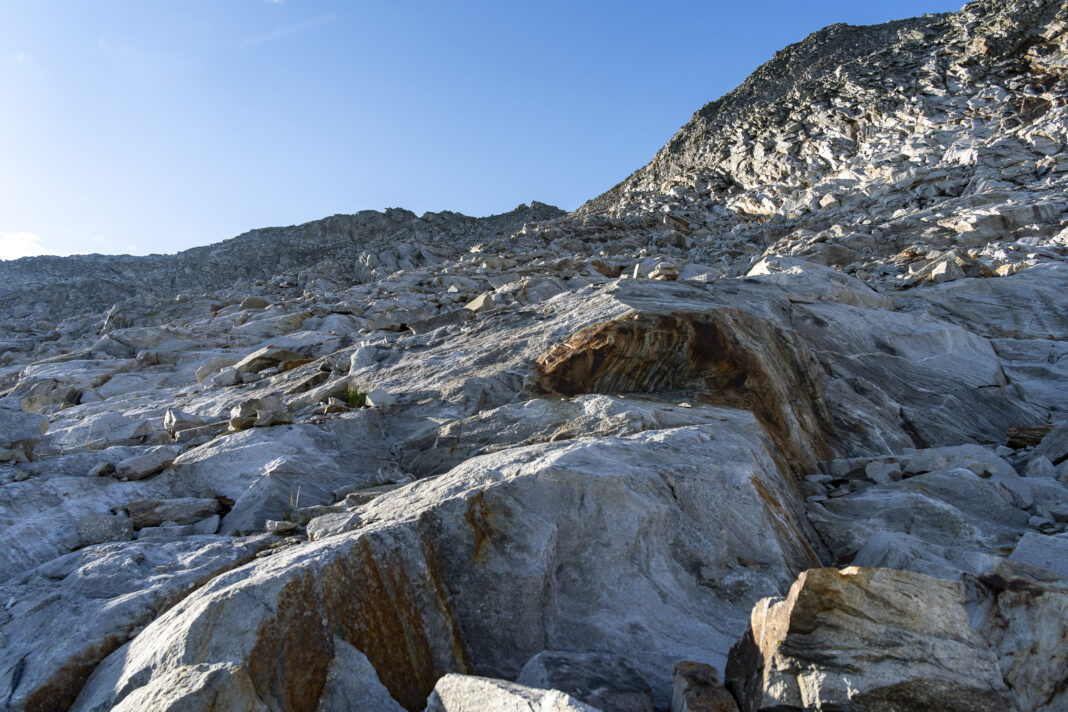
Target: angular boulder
x=865 y=639
x=1023 y=615
x=16 y=425
x=466 y=693
x=697 y=688
x=267 y=357
x=184 y=510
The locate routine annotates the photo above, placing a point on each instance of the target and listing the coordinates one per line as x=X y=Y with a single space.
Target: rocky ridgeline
x=886 y=151
x=38 y=293
x=778 y=423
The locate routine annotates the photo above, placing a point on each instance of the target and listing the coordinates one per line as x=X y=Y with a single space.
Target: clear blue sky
x=152 y=126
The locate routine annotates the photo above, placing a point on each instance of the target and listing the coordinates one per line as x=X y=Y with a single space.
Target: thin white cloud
x=113 y=51
x=21 y=58
x=287 y=30
x=14 y=245
x=275 y=2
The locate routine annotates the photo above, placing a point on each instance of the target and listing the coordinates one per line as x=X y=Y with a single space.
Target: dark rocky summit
x=780 y=422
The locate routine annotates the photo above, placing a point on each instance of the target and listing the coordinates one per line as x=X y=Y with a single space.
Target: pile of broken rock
x=778 y=423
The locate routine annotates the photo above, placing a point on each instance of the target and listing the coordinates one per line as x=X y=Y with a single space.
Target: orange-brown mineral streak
x=64 y=685
x=373 y=603
x=789 y=536
x=293 y=650
x=478 y=518
x=729 y=358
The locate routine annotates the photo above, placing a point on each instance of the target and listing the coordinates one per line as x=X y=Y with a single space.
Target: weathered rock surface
x=696 y=688
x=17 y=425
x=78 y=608
x=321 y=467
x=1023 y=615
x=593 y=544
x=466 y=693
x=858 y=639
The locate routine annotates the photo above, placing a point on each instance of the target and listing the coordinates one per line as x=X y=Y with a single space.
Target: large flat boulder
x=267 y=357
x=269 y=472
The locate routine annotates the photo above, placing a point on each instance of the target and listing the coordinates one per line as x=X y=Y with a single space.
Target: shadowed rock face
x=61 y=689
x=374 y=602
x=727 y=356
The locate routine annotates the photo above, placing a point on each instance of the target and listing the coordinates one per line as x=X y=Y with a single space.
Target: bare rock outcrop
x=865 y=639
x=539 y=459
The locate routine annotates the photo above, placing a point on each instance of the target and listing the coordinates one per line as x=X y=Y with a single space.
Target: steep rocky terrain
x=38 y=292
x=779 y=422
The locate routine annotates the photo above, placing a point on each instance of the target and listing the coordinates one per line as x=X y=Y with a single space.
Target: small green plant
x=355 y=399
x=294 y=503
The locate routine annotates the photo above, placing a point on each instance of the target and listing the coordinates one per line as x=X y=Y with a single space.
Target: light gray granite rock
x=843 y=281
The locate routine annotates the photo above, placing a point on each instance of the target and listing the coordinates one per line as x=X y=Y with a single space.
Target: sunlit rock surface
x=797 y=388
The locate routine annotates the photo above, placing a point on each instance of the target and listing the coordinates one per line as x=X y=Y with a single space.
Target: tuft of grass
x=294 y=503
x=355 y=399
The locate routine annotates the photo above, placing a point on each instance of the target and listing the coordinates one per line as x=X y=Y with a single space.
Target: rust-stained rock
x=729 y=357
x=682 y=357
x=289 y=662
x=1021 y=436
x=1025 y=620
x=557 y=546
x=377 y=603
x=697 y=688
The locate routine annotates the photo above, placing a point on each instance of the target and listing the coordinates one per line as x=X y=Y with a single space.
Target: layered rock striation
x=780 y=422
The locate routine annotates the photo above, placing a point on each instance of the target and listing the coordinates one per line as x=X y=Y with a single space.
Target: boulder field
x=780 y=422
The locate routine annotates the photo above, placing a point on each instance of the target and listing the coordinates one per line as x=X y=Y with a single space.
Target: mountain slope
x=65 y=286
x=859 y=142
x=786 y=409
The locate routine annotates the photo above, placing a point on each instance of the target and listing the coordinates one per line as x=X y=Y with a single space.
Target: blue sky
x=134 y=126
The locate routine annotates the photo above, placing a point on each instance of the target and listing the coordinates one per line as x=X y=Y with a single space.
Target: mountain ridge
x=778 y=422
x=257 y=254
